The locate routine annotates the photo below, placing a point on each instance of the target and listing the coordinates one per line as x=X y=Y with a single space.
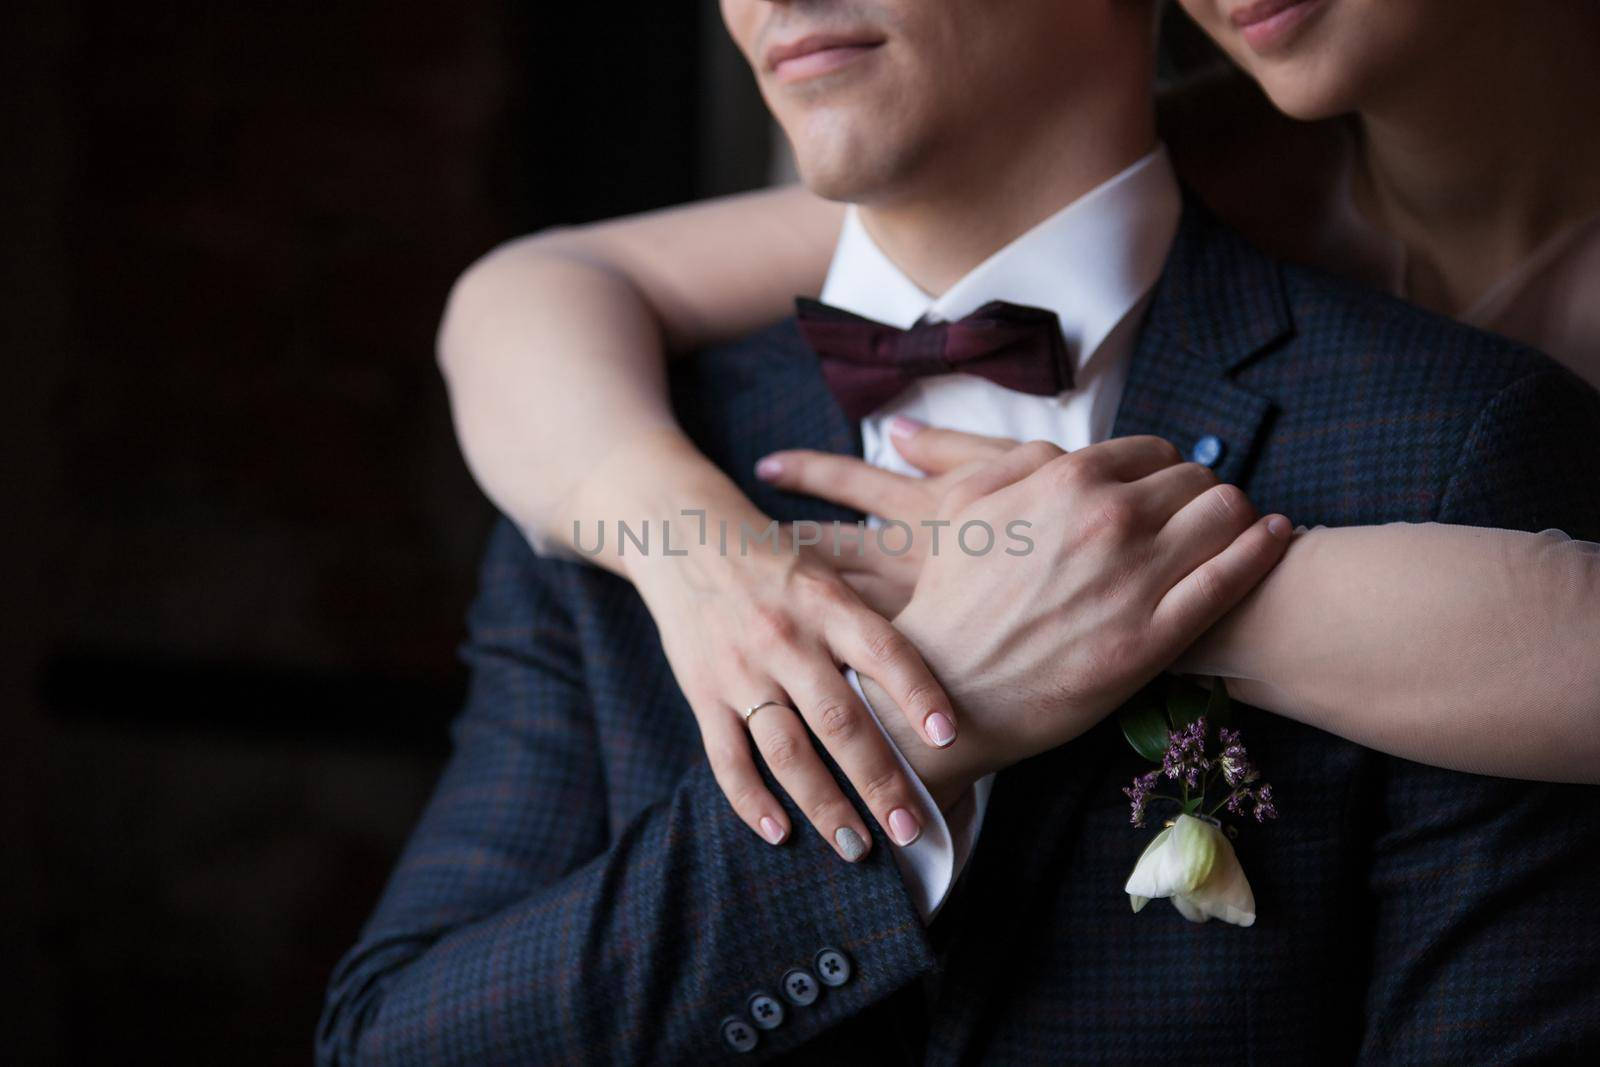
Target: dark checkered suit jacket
x=579 y=892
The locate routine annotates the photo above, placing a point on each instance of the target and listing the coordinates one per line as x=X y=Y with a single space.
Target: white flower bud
x=1194 y=864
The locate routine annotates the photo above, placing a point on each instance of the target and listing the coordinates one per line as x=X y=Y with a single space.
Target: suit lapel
x=1218 y=306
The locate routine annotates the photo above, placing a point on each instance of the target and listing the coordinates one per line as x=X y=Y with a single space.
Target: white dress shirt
x=1093 y=263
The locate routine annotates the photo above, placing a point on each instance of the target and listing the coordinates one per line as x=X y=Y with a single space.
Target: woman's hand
x=776 y=624
x=883 y=578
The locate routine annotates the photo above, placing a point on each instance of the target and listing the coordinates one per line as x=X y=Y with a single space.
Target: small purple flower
x=1139 y=794
x=1264 y=807
x=1186 y=754
x=1186 y=761
x=1259 y=801
x=1235 y=761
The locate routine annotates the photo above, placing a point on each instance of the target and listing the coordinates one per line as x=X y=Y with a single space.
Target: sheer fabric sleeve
x=1471 y=649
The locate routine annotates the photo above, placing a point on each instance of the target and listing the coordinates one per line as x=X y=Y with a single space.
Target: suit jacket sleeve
x=521 y=928
x=1487 y=949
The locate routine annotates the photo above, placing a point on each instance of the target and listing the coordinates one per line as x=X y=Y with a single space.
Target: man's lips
x=820 y=53
x=1267 y=23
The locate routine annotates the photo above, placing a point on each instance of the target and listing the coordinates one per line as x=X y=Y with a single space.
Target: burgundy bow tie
x=866 y=364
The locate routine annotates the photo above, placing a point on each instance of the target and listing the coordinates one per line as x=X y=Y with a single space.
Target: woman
x=1466 y=180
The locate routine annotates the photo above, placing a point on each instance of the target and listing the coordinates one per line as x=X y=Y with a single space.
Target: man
x=579 y=892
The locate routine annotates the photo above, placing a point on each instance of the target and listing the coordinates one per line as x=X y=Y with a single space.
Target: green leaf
x=1186 y=702
x=1145 y=727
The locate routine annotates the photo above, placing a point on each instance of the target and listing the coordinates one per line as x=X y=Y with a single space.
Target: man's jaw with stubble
x=942 y=203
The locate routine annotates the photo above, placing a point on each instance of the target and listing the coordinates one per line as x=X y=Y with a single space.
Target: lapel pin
x=1207 y=451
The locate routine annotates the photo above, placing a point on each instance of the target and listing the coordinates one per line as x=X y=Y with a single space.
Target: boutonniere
x=1204 y=773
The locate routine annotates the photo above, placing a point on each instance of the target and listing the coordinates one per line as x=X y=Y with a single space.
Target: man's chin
x=831 y=186
x=848 y=178
x=842 y=153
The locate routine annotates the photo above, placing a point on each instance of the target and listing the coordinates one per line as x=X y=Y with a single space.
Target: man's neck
x=972 y=207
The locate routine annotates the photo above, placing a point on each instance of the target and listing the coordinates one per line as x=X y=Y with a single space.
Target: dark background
x=242 y=534
x=239 y=540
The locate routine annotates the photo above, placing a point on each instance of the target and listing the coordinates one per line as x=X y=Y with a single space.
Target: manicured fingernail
x=771 y=830
x=851 y=847
x=904 y=827
x=900 y=426
x=769 y=469
x=1278 y=526
x=940 y=730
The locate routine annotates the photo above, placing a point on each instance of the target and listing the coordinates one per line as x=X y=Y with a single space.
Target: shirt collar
x=1091 y=263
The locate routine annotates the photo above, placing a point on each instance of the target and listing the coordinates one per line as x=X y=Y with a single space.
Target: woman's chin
x=1304 y=99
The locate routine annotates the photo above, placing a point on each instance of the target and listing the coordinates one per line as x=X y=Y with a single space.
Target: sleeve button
x=800 y=988
x=766 y=1011
x=833 y=967
x=738 y=1034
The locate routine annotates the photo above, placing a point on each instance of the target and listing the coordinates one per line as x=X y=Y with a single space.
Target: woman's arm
x=552 y=348
x=1461 y=647
x=553 y=351
x=1476 y=650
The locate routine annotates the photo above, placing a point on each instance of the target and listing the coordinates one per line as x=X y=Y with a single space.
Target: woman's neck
x=1484 y=155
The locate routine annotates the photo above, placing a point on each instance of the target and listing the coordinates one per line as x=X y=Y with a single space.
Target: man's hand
x=885 y=579
x=1135 y=554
